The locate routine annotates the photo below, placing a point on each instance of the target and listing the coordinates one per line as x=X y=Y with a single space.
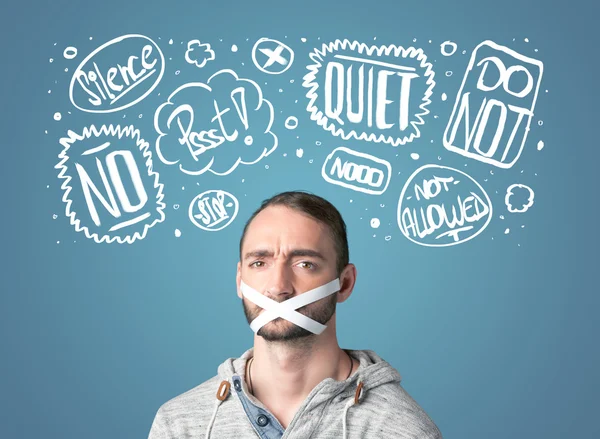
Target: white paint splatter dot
x=318 y=143
x=310 y=161
x=507 y=231
x=234 y=48
x=177 y=72
x=387 y=238
x=266 y=166
x=49 y=91
x=248 y=140
x=299 y=152
x=444 y=96
x=540 y=145
x=281 y=90
x=58 y=242
x=351 y=201
x=171 y=41
x=177 y=233
x=414 y=156
x=303 y=40
x=449 y=73
x=540 y=122
x=375 y=222
x=51 y=60
x=182 y=188
x=526 y=40
x=501 y=217
x=57 y=116
x=54 y=216
x=175 y=206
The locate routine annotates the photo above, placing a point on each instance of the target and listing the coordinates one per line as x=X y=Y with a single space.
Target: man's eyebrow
x=293 y=253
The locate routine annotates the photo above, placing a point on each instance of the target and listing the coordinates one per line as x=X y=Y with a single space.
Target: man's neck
x=284 y=373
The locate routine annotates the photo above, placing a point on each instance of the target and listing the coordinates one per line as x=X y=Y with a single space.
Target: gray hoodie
x=369 y=404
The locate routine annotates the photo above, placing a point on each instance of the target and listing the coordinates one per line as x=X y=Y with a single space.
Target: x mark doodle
x=274 y=56
x=287 y=309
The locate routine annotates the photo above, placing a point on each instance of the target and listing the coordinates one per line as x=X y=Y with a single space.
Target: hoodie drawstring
x=357 y=397
x=222 y=394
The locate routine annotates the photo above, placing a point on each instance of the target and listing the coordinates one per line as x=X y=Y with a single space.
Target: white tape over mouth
x=287 y=309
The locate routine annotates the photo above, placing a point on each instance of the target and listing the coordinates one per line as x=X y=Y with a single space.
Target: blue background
x=494 y=338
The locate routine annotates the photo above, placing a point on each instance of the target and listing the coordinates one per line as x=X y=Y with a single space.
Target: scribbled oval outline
x=411 y=178
x=197 y=224
x=104 y=46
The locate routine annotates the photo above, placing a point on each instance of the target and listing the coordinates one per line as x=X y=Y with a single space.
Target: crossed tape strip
x=287 y=309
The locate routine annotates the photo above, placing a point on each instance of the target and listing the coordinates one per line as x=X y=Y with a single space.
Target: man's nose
x=280 y=281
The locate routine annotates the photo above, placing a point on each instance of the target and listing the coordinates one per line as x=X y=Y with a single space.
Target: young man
x=296 y=382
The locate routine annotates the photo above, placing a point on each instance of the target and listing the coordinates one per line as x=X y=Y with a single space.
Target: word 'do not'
x=110 y=190
x=441 y=206
x=494 y=106
x=372 y=93
x=213 y=210
x=117 y=75
x=357 y=171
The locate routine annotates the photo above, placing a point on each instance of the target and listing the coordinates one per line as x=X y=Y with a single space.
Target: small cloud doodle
x=519 y=198
x=198 y=53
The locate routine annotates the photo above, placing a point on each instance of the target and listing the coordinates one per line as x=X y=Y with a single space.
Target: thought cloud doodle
x=357 y=171
x=198 y=118
x=213 y=210
x=110 y=189
x=503 y=87
x=441 y=206
x=117 y=75
x=373 y=93
x=198 y=54
x=519 y=195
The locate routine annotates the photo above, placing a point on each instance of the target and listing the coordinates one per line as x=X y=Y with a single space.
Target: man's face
x=286 y=253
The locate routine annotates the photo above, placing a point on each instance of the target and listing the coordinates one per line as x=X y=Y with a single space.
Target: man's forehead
x=276 y=229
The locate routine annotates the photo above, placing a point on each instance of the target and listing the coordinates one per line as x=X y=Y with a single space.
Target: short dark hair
x=317 y=208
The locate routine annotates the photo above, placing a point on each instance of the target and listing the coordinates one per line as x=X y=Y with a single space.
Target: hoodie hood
x=372 y=372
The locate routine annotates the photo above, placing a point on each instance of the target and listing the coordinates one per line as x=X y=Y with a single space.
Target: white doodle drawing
x=519 y=191
x=213 y=210
x=195 y=122
x=497 y=132
x=101 y=169
x=357 y=171
x=70 y=52
x=373 y=93
x=291 y=123
x=447 y=48
x=198 y=53
x=441 y=206
x=272 y=56
x=105 y=76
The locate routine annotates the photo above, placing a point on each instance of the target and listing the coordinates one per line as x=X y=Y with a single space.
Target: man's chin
x=282 y=331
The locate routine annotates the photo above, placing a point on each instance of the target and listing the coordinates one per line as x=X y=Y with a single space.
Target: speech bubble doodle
x=112 y=77
x=524 y=192
x=110 y=189
x=441 y=206
x=213 y=210
x=197 y=51
x=357 y=171
x=198 y=118
x=373 y=93
x=503 y=85
x=274 y=58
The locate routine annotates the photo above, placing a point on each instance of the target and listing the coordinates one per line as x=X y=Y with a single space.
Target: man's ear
x=238 y=279
x=347 y=282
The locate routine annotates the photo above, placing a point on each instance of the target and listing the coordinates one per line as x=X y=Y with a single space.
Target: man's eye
x=256 y=262
x=308 y=265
